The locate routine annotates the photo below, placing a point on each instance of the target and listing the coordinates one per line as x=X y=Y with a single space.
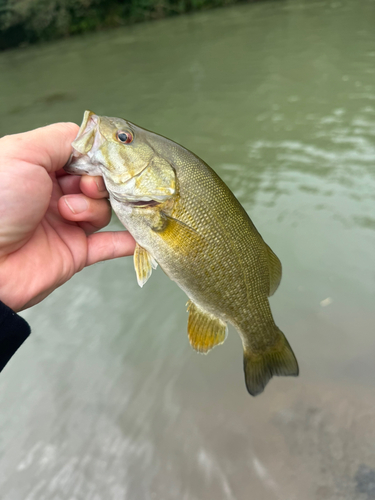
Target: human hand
x=48 y=218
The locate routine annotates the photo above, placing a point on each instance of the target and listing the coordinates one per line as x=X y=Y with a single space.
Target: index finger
x=48 y=147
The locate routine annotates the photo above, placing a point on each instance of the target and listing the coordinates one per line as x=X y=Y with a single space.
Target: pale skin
x=49 y=218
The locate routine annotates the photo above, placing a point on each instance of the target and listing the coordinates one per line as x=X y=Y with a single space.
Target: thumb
x=48 y=147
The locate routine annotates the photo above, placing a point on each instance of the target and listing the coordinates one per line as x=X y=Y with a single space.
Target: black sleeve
x=13 y=332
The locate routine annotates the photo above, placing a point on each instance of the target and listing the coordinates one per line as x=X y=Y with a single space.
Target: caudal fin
x=261 y=367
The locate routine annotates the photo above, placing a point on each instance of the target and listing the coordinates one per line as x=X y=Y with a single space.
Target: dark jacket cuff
x=14 y=330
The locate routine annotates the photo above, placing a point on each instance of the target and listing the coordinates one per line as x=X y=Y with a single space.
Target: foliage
x=27 y=21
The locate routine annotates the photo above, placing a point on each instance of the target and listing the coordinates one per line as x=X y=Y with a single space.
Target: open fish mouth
x=85 y=145
x=89 y=137
x=80 y=166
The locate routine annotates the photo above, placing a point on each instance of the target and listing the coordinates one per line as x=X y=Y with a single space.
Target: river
x=106 y=399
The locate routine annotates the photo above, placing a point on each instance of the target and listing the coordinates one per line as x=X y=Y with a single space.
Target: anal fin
x=204 y=329
x=143 y=263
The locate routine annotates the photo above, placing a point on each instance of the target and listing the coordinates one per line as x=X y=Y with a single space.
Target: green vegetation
x=28 y=21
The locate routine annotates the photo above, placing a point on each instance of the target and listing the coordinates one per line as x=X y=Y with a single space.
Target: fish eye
x=124 y=137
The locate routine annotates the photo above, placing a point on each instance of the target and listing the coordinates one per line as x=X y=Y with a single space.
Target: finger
x=48 y=147
x=80 y=208
x=69 y=184
x=88 y=227
x=109 y=245
x=60 y=172
x=93 y=187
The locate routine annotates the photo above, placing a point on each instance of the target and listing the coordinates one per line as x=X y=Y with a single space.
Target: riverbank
x=23 y=22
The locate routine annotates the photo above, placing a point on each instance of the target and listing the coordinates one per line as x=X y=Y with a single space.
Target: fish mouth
x=88 y=138
x=85 y=145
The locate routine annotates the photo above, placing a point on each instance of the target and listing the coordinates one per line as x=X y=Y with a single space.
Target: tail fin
x=261 y=367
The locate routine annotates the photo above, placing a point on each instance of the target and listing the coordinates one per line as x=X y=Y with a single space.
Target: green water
x=106 y=400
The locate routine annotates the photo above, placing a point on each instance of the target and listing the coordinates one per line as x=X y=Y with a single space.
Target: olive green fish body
x=214 y=253
x=187 y=220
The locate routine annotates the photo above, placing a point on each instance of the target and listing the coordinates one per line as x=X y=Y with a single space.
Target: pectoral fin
x=178 y=235
x=143 y=263
x=171 y=225
x=204 y=329
x=274 y=266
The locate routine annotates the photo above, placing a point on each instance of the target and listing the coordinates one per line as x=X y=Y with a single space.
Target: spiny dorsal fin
x=143 y=263
x=260 y=367
x=274 y=266
x=204 y=329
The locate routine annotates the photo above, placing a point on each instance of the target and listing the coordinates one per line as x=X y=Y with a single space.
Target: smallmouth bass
x=184 y=218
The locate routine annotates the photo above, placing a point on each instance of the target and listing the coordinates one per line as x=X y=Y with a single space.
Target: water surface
x=107 y=400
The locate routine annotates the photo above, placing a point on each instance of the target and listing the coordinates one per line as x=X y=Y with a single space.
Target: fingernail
x=76 y=204
x=100 y=185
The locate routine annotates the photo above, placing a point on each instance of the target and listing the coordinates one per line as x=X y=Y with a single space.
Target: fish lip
x=85 y=146
x=89 y=129
x=90 y=120
x=71 y=168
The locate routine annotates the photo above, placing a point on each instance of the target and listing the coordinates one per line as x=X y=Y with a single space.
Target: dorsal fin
x=274 y=266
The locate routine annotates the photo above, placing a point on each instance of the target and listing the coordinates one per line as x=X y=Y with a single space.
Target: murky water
x=107 y=400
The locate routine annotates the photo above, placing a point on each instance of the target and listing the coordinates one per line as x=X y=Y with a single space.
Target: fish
x=185 y=219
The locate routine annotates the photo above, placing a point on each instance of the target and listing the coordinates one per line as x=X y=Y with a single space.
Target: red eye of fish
x=124 y=137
